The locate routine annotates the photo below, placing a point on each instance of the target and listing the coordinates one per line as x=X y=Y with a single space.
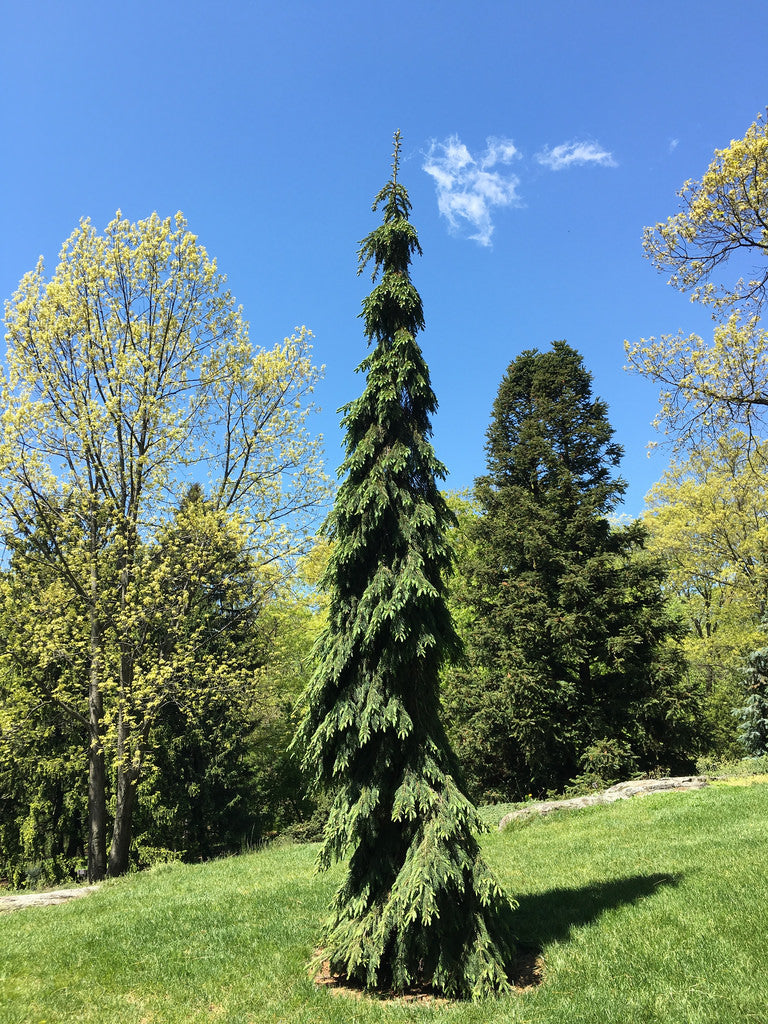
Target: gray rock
x=621 y=791
x=17 y=900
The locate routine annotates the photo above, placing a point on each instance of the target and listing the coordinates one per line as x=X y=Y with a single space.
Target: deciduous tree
x=723 y=220
x=706 y=518
x=710 y=387
x=417 y=905
x=226 y=658
x=130 y=372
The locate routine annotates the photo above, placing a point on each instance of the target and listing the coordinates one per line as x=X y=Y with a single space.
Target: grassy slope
x=649 y=910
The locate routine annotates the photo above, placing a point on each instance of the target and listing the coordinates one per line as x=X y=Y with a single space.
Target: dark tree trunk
x=131 y=745
x=125 y=800
x=97 y=790
x=97 y=812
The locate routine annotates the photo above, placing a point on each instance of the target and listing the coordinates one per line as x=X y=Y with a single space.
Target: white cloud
x=569 y=154
x=468 y=189
x=673 y=144
x=499 y=151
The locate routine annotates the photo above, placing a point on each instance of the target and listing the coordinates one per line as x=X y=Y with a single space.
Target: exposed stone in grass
x=621 y=791
x=18 y=900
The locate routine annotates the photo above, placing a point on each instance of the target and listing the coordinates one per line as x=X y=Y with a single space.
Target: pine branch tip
x=396 y=156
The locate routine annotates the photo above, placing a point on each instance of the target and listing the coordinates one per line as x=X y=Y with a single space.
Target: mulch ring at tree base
x=527 y=974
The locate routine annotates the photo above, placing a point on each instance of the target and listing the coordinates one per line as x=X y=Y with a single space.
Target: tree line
x=160 y=492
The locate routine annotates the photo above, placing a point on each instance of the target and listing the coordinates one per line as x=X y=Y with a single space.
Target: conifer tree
x=752 y=717
x=418 y=906
x=569 y=640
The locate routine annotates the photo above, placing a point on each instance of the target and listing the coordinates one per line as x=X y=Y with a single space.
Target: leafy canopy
x=711 y=386
x=129 y=374
x=724 y=218
x=707 y=522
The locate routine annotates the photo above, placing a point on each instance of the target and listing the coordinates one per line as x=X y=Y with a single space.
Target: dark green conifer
x=417 y=906
x=571 y=643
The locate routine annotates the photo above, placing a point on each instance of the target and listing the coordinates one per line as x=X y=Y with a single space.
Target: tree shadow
x=552 y=915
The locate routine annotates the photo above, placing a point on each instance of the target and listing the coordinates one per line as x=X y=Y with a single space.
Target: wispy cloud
x=571 y=154
x=673 y=144
x=469 y=188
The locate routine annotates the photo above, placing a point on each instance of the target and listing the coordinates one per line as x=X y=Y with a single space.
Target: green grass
x=648 y=910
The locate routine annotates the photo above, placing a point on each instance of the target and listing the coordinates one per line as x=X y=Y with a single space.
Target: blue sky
x=538 y=140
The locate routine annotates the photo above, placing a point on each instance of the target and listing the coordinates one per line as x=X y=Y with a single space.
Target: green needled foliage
x=572 y=651
x=753 y=716
x=418 y=906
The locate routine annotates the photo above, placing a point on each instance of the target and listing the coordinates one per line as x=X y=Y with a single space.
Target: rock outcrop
x=17 y=900
x=621 y=791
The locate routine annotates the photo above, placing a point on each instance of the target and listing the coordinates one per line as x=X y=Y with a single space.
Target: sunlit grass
x=649 y=910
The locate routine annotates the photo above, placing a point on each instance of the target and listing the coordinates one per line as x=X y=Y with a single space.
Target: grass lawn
x=648 y=910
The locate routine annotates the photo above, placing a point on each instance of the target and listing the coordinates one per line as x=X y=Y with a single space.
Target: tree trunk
x=125 y=799
x=128 y=775
x=97 y=812
x=97 y=790
x=128 y=771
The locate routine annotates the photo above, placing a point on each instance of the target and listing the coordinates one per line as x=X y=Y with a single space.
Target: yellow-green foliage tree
x=129 y=374
x=708 y=387
x=707 y=519
x=723 y=216
x=42 y=755
x=214 y=771
x=290 y=627
x=195 y=648
x=711 y=388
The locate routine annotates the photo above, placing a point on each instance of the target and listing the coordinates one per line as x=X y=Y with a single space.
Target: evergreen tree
x=567 y=623
x=753 y=716
x=417 y=905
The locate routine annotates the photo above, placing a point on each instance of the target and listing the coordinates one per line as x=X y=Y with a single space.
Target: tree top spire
x=396 y=156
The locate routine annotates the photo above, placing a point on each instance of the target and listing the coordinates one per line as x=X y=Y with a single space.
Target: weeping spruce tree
x=418 y=907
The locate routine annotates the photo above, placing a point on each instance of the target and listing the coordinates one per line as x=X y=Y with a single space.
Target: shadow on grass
x=550 y=916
